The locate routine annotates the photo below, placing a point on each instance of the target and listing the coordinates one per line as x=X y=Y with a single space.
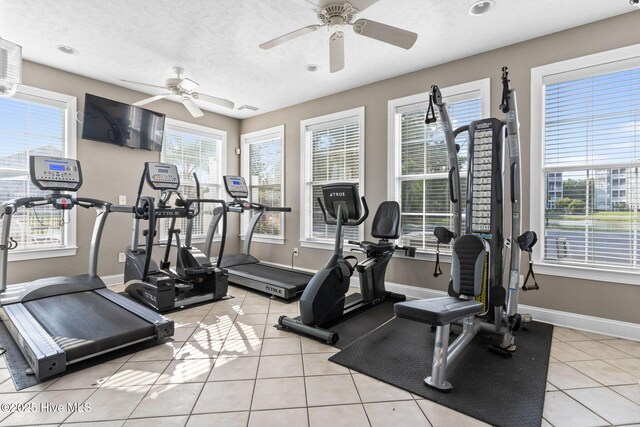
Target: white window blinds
x=422 y=175
x=333 y=152
x=195 y=149
x=591 y=160
x=264 y=174
x=33 y=125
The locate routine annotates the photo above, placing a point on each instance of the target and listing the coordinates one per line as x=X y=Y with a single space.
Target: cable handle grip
x=506 y=90
x=434 y=96
x=452 y=195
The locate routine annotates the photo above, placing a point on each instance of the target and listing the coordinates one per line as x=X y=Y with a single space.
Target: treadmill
x=244 y=269
x=61 y=320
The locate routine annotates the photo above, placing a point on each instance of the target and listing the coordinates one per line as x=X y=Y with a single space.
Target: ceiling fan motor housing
x=337 y=14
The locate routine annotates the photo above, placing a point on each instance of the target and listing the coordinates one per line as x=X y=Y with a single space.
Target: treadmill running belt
x=267 y=273
x=85 y=323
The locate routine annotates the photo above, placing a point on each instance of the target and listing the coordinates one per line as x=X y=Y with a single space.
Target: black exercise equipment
x=195 y=279
x=243 y=268
x=324 y=303
x=61 y=320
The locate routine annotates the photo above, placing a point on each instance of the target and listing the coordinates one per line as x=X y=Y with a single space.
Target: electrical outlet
x=295 y=251
x=121 y=257
x=122 y=200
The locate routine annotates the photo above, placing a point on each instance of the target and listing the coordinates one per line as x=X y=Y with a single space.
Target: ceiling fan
x=335 y=16
x=184 y=89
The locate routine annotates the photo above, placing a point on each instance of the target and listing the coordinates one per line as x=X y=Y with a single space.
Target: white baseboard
x=599 y=325
x=114 y=279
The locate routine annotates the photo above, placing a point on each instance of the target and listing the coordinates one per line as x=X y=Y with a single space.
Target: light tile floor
x=227 y=366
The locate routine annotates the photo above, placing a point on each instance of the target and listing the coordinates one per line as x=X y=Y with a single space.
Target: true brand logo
x=337 y=194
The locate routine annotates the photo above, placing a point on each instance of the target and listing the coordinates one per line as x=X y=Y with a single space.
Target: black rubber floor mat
x=499 y=391
x=362 y=323
x=16 y=362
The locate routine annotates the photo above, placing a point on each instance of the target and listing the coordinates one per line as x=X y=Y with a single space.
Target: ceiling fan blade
x=215 y=100
x=385 y=33
x=192 y=107
x=336 y=51
x=289 y=36
x=142 y=84
x=188 y=85
x=150 y=100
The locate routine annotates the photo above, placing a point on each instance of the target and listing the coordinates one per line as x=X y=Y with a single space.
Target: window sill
x=420 y=256
x=264 y=239
x=587 y=273
x=42 y=253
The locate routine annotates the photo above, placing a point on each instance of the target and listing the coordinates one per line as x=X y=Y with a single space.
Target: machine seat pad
x=437 y=311
x=377 y=247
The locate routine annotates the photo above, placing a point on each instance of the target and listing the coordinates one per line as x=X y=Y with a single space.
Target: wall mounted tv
x=122 y=124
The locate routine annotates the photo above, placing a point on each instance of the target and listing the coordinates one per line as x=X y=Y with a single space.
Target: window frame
x=245 y=142
x=451 y=94
x=222 y=162
x=27 y=93
x=340 y=116
x=572 y=69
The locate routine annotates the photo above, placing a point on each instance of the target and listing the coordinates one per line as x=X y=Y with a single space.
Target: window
x=36 y=122
x=586 y=117
x=418 y=161
x=262 y=163
x=332 y=151
x=194 y=148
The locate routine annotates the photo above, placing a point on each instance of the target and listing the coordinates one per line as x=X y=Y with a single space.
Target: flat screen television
x=106 y=120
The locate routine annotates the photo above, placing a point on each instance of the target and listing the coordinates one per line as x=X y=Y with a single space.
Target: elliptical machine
x=324 y=302
x=194 y=278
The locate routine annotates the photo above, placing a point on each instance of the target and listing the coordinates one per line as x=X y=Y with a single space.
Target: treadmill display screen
x=236 y=186
x=56 y=168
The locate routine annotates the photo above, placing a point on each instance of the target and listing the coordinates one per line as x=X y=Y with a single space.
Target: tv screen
x=106 y=120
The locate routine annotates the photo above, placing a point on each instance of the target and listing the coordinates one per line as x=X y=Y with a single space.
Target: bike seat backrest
x=468 y=265
x=386 y=223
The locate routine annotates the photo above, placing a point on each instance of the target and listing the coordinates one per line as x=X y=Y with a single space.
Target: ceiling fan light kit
x=10 y=67
x=335 y=17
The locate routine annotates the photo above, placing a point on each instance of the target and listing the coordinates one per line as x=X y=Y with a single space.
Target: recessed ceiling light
x=312 y=67
x=67 y=49
x=481 y=7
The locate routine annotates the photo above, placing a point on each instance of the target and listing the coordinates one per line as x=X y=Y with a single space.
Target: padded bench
x=437 y=311
x=467 y=268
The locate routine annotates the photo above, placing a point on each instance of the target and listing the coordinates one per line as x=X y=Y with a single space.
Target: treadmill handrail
x=240 y=206
x=8 y=208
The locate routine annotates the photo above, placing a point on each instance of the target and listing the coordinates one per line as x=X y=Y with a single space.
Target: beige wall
x=110 y=171
x=122 y=167
x=606 y=300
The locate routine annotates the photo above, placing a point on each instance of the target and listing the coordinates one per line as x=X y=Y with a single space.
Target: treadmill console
x=162 y=176
x=55 y=173
x=236 y=187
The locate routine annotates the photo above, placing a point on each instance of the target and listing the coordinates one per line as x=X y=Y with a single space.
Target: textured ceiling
x=216 y=41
